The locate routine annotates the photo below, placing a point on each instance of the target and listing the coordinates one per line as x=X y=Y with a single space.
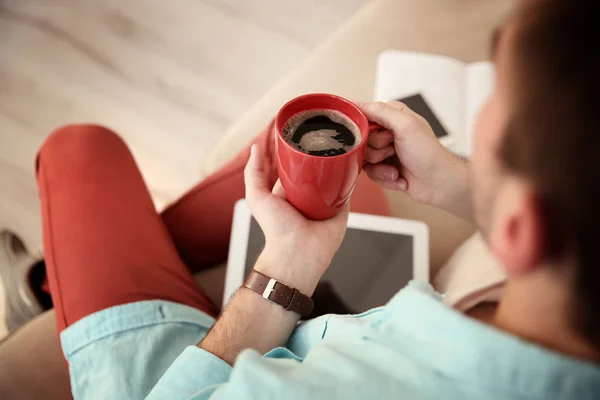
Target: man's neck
x=537 y=308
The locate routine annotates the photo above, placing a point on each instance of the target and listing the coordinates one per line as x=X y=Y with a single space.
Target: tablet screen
x=368 y=269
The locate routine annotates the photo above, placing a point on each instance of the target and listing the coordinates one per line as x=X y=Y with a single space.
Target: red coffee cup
x=319 y=186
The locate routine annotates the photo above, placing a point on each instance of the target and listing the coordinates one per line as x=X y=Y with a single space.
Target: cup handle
x=373 y=127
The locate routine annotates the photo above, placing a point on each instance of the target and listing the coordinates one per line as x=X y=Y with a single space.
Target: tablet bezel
x=242 y=218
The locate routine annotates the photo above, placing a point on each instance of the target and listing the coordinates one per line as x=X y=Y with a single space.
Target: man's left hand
x=297 y=250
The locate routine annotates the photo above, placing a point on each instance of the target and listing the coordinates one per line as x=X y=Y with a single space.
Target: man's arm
x=453 y=192
x=297 y=253
x=250 y=321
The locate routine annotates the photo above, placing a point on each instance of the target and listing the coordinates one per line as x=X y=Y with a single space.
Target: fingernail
x=402 y=185
x=390 y=153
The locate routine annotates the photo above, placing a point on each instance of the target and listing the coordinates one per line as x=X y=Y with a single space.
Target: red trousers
x=106 y=245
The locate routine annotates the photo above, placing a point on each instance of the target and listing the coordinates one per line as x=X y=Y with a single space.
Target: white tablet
x=378 y=256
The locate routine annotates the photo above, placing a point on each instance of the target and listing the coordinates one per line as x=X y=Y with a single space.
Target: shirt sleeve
x=193 y=371
x=324 y=375
x=200 y=375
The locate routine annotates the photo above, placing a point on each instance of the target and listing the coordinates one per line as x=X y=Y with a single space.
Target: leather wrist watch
x=289 y=298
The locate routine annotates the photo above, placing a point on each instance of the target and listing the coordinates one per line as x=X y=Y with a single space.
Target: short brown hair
x=553 y=137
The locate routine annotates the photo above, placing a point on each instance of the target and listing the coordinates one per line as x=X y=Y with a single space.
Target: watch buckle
x=269 y=289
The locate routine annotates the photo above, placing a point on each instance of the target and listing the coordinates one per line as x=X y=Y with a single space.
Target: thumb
x=341 y=219
x=278 y=189
x=255 y=177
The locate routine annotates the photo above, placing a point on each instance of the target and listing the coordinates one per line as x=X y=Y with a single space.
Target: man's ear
x=517 y=236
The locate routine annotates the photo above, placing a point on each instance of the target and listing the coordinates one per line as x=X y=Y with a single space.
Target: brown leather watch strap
x=279 y=293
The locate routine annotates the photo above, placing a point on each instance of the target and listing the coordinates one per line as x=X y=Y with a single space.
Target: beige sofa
x=345 y=65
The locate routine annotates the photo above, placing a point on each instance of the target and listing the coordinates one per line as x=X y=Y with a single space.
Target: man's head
x=536 y=162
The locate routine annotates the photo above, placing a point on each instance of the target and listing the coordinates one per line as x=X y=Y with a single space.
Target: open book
x=447 y=92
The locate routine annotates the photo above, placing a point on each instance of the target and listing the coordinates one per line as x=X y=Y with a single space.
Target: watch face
x=417 y=103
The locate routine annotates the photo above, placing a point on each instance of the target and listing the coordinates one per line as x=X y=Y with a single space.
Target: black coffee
x=323 y=133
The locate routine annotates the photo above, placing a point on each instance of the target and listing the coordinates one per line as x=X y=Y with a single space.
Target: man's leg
x=104 y=243
x=210 y=205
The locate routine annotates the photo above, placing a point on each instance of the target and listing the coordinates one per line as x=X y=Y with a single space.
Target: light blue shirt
x=415 y=347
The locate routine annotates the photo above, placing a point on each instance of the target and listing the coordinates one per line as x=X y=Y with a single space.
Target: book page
x=439 y=80
x=479 y=86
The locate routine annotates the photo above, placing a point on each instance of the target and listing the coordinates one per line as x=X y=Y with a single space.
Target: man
x=535 y=199
x=533 y=178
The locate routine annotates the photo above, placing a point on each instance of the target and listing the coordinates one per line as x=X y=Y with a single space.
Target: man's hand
x=408 y=157
x=297 y=250
x=297 y=253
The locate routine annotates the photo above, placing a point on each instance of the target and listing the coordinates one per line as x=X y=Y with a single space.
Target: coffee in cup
x=322 y=132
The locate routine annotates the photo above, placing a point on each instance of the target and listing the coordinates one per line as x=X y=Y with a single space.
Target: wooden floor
x=169 y=76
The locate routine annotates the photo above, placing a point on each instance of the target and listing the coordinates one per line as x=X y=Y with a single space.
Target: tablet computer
x=377 y=258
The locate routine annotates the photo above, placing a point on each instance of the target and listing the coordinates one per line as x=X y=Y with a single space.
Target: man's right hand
x=408 y=157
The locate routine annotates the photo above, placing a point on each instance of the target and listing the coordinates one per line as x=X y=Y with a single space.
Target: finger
x=397 y=104
x=278 y=189
x=382 y=172
x=255 y=178
x=400 y=106
x=380 y=139
x=375 y=156
x=386 y=176
x=386 y=115
x=399 y=184
x=343 y=214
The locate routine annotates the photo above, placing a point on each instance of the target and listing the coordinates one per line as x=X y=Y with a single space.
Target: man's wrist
x=293 y=268
x=452 y=191
x=248 y=321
